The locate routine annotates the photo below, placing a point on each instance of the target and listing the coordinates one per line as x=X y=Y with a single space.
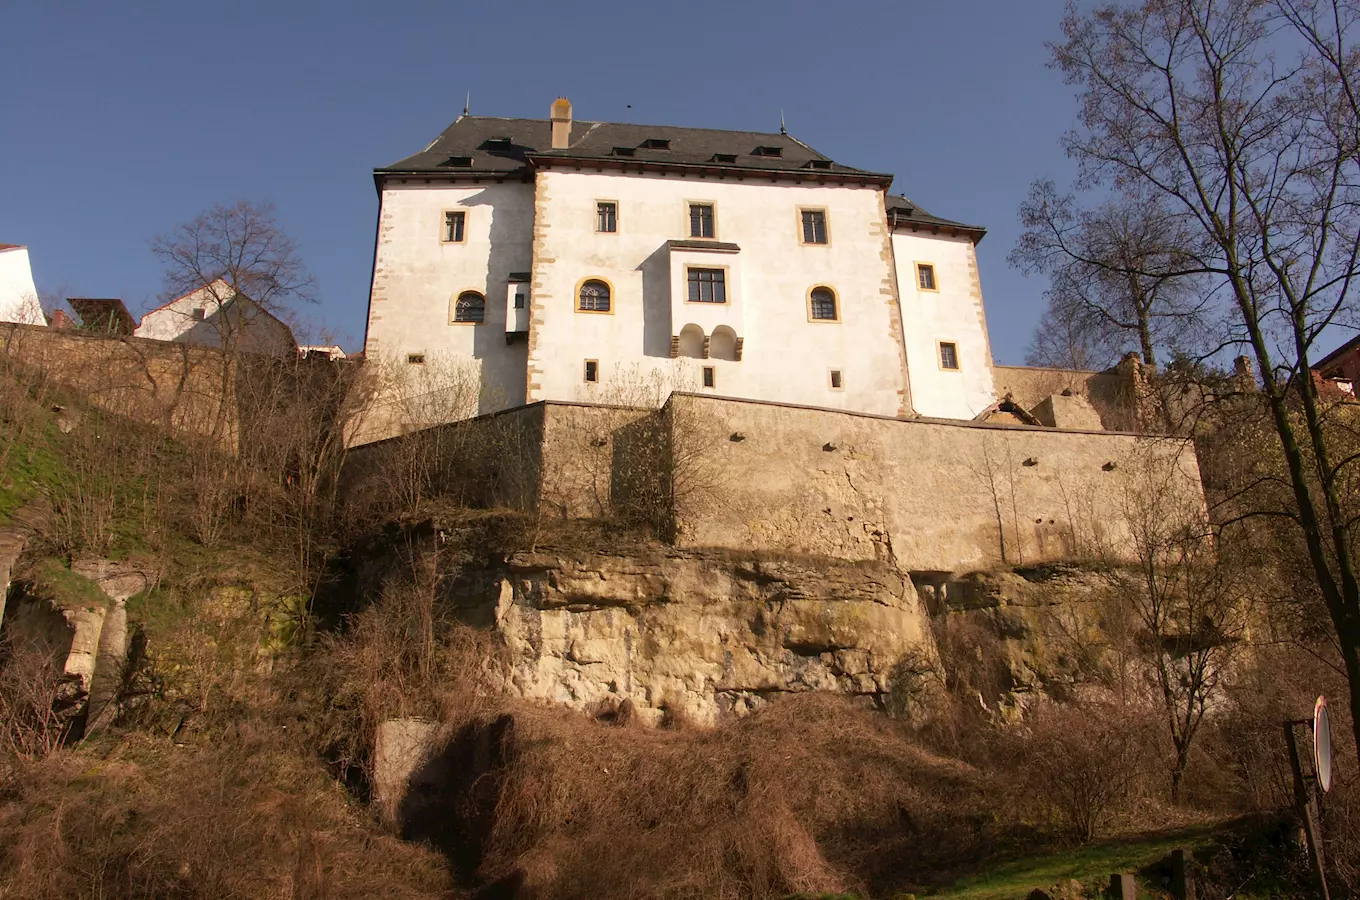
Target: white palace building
x=558 y=255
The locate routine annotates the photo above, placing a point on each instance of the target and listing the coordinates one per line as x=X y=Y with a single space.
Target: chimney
x=561 y=123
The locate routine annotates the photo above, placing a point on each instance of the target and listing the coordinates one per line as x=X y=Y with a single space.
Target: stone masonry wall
x=929 y=495
x=177 y=386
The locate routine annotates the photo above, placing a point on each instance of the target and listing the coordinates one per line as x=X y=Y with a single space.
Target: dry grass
x=238 y=820
x=809 y=795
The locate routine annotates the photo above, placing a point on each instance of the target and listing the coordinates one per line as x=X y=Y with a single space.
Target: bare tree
x=1117 y=276
x=248 y=269
x=1240 y=119
x=1188 y=599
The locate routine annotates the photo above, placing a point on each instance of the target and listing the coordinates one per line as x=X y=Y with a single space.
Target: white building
x=18 y=294
x=217 y=316
x=569 y=260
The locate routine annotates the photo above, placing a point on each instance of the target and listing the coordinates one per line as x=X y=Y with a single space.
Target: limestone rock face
x=706 y=634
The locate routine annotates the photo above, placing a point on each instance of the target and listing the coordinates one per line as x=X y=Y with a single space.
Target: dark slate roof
x=490 y=145
x=909 y=214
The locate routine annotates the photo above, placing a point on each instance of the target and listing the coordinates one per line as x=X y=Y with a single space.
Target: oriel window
x=707 y=286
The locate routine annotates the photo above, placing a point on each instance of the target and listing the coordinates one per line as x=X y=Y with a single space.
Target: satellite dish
x=1322 y=744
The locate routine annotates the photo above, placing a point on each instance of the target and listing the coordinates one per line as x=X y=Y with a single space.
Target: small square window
x=701 y=224
x=836 y=384
x=949 y=355
x=707 y=285
x=814 y=226
x=592 y=371
x=200 y=314
x=925 y=277
x=454 y=221
x=607 y=216
x=520 y=298
x=710 y=377
x=415 y=359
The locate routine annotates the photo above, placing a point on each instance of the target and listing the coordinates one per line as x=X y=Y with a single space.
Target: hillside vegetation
x=239 y=763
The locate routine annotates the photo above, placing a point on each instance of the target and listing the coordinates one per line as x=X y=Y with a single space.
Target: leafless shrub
x=1080 y=765
x=30 y=676
x=406 y=655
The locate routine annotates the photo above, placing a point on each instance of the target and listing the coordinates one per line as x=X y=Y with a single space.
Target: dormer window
x=457 y=162
x=820 y=164
x=656 y=144
x=625 y=151
x=724 y=158
x=768 y=151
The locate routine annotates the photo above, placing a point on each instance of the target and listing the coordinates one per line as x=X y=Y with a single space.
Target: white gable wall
x=254 y=331
x=18 y=294
x=417 y=276
x=785 y=356
x=952 y=313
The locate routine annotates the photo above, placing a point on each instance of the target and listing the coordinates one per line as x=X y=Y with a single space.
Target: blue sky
x=120 y=120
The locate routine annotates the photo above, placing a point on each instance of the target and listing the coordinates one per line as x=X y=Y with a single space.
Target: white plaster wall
x=786 y=357
x=417 y=276
x=953 y=313
x=255 y=331
x=18 y=294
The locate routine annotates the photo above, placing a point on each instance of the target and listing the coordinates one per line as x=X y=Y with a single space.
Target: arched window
x=594 y=296
x=822 y=301
x=692 y=341
x=469 y=307
x=723 y=343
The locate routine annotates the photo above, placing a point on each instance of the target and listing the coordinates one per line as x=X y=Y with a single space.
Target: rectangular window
x=607 y=216
x=707 y=286
x=200 y=314
x=701 y=220
x=949 y=355
x=592 y=371
x=416 y=359
x=520 y=297
x=925 y=277
x=710 y=377
x=453 y=226
x=814 y=226
x=836 y=379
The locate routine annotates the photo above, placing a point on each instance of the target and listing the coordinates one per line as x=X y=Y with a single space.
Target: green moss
x=64 y=589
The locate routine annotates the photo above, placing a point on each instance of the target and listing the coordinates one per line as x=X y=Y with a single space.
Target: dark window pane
x=594 y=296
x=470 y=307
x=453 y=226
x=700 y=220
x=814 y=226
x=823 y=304
x=606 y=217
x=707 y=286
